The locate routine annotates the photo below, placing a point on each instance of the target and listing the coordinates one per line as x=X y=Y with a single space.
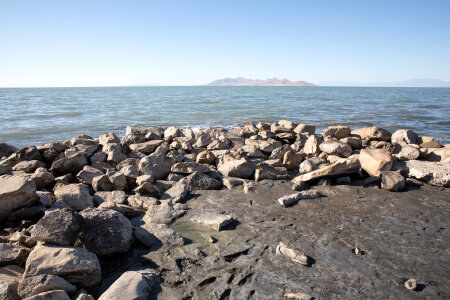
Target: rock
x=408 y=153
x=292 y=199
x=206 y=157
x=266 y=146
x=35 y=285
x=335 y=147
x=434 y=173
x=28 y=166
x=189 y=168
x=312 y=145
x=83 y=295
x=42 y=179
x=177 y=193
x=213 y=220
x=118 y=180
x=27 y=213
x=157 y=166
x=114 y=153
x=58 y=226
x=338 y=132
x=105 y=232
x=77 y=265
x=294 y=254
x=404 y=137
x=219 y=144
x=127 y=211
x=305 y=129
x=354 y=142
x=132 y=285
x=428 y=142
x=292 y=160
x=139 y=201
x=9 y=280
x=5 y=169
x=148 y=189
x=373 y=133
x=252 y=151
x=345 y=180
x=231 y=182
x=162 y=214
x=297 y=295
x=307 y=166
x=171 y=132
x=21 y=239
x=240 y=168
x=6 y=149
x=339 y=168
x=146 y=147
x=118 y=197
x=45 y=198
x=75 y=195
x=373 y=161
x=200 y=181
x=154 y=235
x=411 y=284
x=50 y=295
x=15 y=192
x=87 y=174
x=174 y=177
x=266 y=171
x=72 y=164
x=108 y=138
x=102 y=183
x=392 y=181
x=13 y=254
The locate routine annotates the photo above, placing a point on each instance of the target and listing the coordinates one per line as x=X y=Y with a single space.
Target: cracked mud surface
x=402 y=235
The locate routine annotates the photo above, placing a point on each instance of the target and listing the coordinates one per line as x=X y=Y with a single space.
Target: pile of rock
x=65 y=206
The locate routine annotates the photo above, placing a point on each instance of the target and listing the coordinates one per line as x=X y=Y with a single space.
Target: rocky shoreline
x=267 y=211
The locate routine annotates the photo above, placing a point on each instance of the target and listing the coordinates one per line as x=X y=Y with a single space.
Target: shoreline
x=164 y=203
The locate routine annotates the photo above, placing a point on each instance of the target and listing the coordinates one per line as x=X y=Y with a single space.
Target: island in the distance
x=240 y=81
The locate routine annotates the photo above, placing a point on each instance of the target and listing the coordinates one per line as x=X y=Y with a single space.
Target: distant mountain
x=240 y=81
x=406 y=83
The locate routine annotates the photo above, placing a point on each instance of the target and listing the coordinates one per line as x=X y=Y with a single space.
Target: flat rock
x=28 y=166
x=335 y=147
x=105 y=231
x=15 y=192
x=292 y=199
x=77 y=265
x=50 y=295
x=434 y=173
x=58 y=226
x=294 y=254
x=339 y=168
x=312 y=145
x=75 y=195
x=132 y=285
x=213 y=220
x=146 y=147
x=34 y=285
x=177 y=193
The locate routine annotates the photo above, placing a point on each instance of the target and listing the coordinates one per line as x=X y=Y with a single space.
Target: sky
x=190 y=42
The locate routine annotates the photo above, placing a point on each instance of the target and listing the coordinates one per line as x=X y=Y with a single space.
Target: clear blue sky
x=91 y=43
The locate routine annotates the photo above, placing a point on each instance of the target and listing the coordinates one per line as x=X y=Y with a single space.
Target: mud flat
x=268 y=211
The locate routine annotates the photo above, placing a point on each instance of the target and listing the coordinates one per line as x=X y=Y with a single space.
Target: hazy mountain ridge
x=423 y=82
x=240 y=81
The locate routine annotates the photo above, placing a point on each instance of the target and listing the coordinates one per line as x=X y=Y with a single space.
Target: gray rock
x=28 y=166
x=87 y=174
x=205 y=157
x=312 y=145
x=146 y=147
x=102 y=183
x=42 y=179
x=154 y=235
x=140 y=201
x=408 y=153
x=294 y=254
x=158 y=166
x=72 y=164
x=6 y=149
x=335 y=147
x=15 y=192
x=200 y=181
x=434 y=173
x=162 y=214
x=127 y=211
x=392 y=181
x=292 y=199
x=373 y=133
x=108 y=138
x=149 y=189
x=83 y=295
x=174 y=177
x=189 y=168
x=131 y=285
x=34 y=285
x=404 y=137
x=75 y=195
x=307 y=166
x=240 y=168
x=58 y=226
x=118 y=180
x=105 y=232
x=305 y=129
x=50 y=295
x=177 y=193
x=353 y=141
x=9 y=280
x=213 y=220
x=118 y=197
x=13 y=254
x=77 y=265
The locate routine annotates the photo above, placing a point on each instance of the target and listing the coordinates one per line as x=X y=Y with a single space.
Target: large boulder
x=75 y=195
x=87 y=174
x=338 y=132
x=177 y=193
x=434 y=173
x=404 y=137
x=146 y=147
x=158 y=166
x=305 y=129
x=200 y=181
x=132 y=285
x=34 y=285
x=373 y=161
x=164 y=213
x=408 y=153
x=28 y=166
x=72 y=164
x=240 y=168
x=58 y=226
x=339 y=168
x=312 y=145
x=42 y=178
x=10 y=276
x=105 y=231
x=373 y=133
x=77 y=265
x=15 y=192
x=213 y=220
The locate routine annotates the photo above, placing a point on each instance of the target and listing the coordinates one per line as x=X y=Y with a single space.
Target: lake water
x=31 y=116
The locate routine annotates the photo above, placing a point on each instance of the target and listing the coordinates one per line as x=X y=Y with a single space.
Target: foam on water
x=38 y=115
